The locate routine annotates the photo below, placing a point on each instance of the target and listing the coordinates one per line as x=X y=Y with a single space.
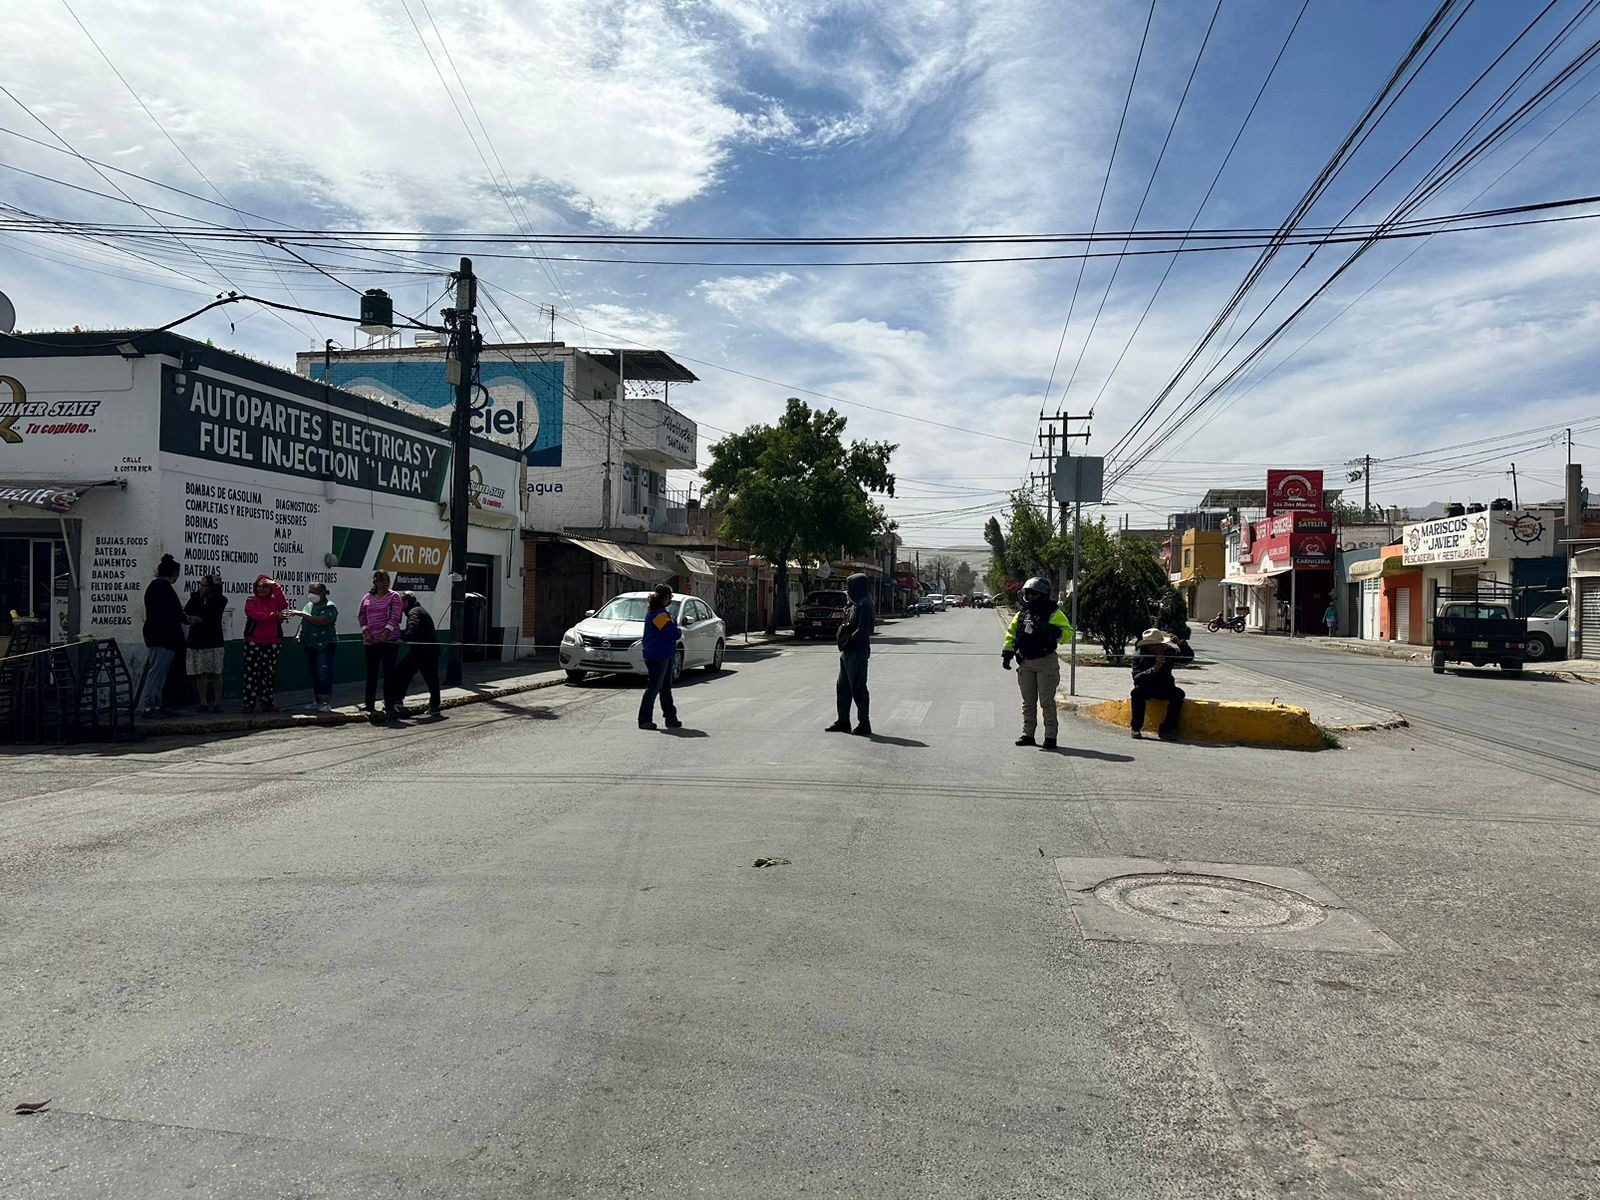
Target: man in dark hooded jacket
x=854 y=638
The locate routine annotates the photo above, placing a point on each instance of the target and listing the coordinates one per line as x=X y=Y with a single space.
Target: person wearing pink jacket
x=265 y=611
x=381 y=617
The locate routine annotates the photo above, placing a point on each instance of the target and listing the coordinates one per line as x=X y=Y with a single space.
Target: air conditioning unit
x=428 y=339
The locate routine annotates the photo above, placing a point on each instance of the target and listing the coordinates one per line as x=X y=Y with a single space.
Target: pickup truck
x=1480 y=630
x=1547 y=631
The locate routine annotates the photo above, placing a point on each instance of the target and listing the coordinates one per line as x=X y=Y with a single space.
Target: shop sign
x=1313 y=550
x=413 y=560
x=1294 y=491
x=484 y=495
x=21 y=418
x=206 y=418
x=1448 y=539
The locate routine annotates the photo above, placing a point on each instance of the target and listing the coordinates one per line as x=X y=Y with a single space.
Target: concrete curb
x=297 y=720
x=1218 y=722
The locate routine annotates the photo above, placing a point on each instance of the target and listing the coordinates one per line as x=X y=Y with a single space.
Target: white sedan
x=611 y=641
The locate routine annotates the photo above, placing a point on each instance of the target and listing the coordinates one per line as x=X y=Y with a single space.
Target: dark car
x=820 y=614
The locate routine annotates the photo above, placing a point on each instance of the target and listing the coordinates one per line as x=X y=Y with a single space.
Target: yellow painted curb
x=1230 y=722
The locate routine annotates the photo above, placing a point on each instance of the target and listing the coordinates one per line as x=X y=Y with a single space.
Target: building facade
x=118 y=448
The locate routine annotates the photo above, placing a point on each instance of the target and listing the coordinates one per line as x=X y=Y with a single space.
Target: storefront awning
x=631 y=564
x=51 y=497
x=696 y=565
x=1380 y=568
x=1247 y=580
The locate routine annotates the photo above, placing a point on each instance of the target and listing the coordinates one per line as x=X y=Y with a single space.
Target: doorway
x=478 y=638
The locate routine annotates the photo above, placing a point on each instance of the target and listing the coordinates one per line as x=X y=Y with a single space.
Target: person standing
x=855 y=647
x=164 y=625
x=1035 y=632
x=380 y=616
x=265 y=611
x=421 y=639
x=661 y=637
x=1152 y=680
x=319 y=639
x=204 y=612
x=1330 y=618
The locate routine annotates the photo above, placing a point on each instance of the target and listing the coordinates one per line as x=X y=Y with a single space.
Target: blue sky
x=728 y=117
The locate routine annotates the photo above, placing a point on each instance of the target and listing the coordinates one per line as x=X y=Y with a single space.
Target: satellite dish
x=8 y=314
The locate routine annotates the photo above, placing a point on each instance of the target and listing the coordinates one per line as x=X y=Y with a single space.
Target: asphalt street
x=1542 y=724
x=525 y=952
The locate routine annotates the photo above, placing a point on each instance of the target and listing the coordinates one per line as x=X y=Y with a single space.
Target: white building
x=117 y=448
x=595 y=457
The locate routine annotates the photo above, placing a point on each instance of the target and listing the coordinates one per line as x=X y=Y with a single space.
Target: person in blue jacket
x=660 y=651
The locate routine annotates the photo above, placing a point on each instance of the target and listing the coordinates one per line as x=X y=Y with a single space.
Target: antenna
x=8 y=314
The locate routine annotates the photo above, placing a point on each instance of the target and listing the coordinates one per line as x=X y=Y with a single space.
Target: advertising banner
x=1294 y=491
x=1448 y=539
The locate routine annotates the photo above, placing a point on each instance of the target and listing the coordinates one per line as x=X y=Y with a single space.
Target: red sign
x=1294 y=491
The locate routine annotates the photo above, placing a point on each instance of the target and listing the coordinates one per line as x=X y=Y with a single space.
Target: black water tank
x=1500 y=504
x=1454 y=510
x=1472 y=508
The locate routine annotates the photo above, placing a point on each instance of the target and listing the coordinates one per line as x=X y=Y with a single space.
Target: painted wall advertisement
x=521 y=404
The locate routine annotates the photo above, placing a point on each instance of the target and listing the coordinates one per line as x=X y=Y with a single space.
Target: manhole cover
x=1211 y=902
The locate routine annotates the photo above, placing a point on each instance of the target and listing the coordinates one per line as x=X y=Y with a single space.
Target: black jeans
x=852 y=685
x=658 y=683
x=418 y=660
x=1172 y=695
x=381 y=657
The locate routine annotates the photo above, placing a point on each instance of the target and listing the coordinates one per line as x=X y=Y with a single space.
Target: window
x=1188 y=556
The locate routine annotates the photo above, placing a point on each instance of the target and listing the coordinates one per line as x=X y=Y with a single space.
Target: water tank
x=1500 y=504
x=377 y=312
x=1473 y=508
x=1454 y=510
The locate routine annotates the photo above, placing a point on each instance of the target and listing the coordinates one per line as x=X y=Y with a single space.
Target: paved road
x=1540 y=724
x=525 y=953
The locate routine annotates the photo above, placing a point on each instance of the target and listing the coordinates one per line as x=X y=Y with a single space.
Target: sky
x=1447 y=359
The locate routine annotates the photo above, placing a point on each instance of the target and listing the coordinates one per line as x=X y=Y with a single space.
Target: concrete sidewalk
x=1229 y=682
x=480 y=682
x=1584 y=670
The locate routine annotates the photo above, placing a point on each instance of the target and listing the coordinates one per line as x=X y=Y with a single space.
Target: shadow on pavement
x=896 y=741
x=1079 y=752
x=686 y=732
x=1505 y=676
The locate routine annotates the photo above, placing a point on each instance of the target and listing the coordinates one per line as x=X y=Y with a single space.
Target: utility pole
x=1077 y=546
x=1516 y=500
x=461 y=369
x=1366 y=489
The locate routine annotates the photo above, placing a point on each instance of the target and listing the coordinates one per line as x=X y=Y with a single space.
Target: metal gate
x=1402 y=614
x=1588 y=618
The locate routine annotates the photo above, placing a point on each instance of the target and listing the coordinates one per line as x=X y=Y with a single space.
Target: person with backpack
x=1031 y=641
x=661 y=636
x=855 y=647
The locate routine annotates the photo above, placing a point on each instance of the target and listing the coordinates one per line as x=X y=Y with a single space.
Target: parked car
x=820 y=614
x=1547 y=631
x=924 y=604
x=610 y=641
x=940 y=603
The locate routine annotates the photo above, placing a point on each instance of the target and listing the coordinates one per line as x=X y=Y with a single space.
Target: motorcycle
x=1234 y=623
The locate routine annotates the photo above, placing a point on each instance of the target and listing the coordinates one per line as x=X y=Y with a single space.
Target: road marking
x=976 y=714
x=910 y=712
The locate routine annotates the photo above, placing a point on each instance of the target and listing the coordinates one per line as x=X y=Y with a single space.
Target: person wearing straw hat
x=1152 y=680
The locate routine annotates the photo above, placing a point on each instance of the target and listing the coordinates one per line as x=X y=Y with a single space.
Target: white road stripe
x=910 y=712
x=976 y=714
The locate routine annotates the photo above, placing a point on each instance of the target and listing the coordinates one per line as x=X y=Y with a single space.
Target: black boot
x=1026 y=740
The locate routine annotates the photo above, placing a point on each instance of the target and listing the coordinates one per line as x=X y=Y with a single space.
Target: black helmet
x=1039 y=585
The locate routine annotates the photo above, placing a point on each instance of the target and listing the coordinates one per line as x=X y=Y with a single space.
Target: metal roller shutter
x=1588 y=617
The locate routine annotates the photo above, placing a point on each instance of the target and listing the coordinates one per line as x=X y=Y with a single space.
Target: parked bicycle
x=1219 y=622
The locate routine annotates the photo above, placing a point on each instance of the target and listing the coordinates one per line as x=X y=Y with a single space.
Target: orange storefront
x=1400 y=617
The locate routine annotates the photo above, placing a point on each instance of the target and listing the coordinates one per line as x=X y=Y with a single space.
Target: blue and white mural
x=524 y=403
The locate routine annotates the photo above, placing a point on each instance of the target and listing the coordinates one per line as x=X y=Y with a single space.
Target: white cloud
x=739 y=294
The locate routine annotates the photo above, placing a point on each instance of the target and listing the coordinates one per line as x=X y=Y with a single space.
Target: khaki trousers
x=1039 y=678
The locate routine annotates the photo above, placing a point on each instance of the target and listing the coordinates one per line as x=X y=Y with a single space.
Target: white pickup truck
x=1547 y=631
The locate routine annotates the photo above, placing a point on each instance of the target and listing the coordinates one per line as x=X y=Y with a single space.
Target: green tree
x=796 y=490
x=963 y=580
x=1123 y=593
x=995 y=575
x=1031 y=546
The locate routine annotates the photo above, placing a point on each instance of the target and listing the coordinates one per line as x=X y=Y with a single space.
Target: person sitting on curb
x=1035 y=632
x=1152 y=680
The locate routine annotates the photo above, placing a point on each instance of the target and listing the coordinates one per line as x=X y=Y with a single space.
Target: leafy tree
x=963 y=580
x=995 y=576
x=940 y=571
x=1123 y=593
x=1031 y=546
x=796 y=490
